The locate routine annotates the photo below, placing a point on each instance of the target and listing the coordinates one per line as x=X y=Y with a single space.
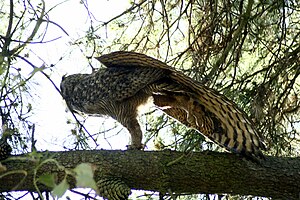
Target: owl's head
x=68 y=83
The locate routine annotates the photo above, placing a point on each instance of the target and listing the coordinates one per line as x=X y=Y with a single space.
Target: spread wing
x=222 y=121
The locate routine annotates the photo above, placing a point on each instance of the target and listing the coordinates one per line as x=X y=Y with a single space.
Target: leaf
x=59 y=190
x=85 y=176
x=48 y=180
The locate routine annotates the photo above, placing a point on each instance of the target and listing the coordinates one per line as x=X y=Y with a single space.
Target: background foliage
x=247 y=50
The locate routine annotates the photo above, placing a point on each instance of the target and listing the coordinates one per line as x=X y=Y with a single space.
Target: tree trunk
x=164 y=171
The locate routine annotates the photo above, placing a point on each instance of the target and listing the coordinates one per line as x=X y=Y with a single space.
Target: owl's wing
x=234 y=130
x=120 y=83
x=204 y=124
x=131 y=59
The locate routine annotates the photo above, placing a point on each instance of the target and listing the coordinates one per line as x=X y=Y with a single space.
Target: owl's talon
x=135 y=147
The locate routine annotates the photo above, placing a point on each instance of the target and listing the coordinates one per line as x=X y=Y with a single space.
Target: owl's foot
x=135 y=147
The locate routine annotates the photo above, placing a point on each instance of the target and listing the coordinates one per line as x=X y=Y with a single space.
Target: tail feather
x=229 y=133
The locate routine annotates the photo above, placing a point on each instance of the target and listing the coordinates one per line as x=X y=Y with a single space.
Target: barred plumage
x=130 y=79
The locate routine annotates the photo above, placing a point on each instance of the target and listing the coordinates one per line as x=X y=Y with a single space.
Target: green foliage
x=48 y=180
x=60 y=189
x=84 y=175
x=15 y=106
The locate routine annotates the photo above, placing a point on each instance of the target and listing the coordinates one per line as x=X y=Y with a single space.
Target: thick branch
x=168 y=170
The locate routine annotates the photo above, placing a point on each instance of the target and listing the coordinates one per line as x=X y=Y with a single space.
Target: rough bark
x=165 y=171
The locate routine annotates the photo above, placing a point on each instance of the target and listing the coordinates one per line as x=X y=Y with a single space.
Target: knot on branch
x=5 y=149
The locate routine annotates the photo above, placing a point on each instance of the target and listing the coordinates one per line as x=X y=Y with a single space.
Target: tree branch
x=164 y=171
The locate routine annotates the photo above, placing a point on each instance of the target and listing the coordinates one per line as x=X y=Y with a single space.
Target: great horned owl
x=130 y=79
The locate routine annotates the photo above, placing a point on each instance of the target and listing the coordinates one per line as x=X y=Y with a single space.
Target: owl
x=129 y=80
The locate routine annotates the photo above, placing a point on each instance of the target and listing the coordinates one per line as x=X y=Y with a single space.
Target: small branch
x=125 y=12
x=244 y=20
x=33 y=33
x=8 y=31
